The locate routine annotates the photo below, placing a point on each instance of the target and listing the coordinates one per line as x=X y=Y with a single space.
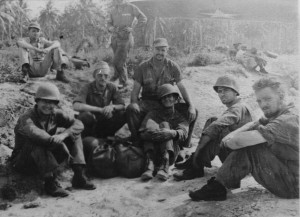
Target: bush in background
x=207 y=58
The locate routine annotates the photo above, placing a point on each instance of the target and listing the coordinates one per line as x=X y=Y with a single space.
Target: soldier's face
x=269 y=101
x=226 y=95
x=34 y=33
x=101 y=78
x=46 y=107
x=160 y=53
x=168 y=100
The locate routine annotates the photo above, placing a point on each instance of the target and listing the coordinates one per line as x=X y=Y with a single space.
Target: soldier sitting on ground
x=101 y=107
x=236 y=115
x=148 y=77
x=38 y=54
x=162 y=131
x=268 y=148
x=39 y=150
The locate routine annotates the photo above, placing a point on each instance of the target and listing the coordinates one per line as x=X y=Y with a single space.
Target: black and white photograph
x=149 y=108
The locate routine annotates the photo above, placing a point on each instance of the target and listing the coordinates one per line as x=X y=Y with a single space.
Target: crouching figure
x=39 y=150
x=162 y=131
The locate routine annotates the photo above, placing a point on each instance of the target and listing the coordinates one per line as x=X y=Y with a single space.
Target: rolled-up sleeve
x=282 y=136
x=229 y=117
x=27 y=128
x=182 y=128
x=74 y=126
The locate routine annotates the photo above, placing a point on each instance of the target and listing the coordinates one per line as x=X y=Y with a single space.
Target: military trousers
x=135 y=113
x=40 y=68
x=121 y=48
x=34 y=158
x=279 y=176
x=97 y=125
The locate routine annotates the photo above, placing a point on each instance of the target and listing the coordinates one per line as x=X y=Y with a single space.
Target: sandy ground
x=131 y=197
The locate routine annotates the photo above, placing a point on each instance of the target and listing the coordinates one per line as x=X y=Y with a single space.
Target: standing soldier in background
x=121 y=25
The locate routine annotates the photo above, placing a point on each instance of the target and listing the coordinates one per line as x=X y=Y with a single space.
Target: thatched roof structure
x=256 y=10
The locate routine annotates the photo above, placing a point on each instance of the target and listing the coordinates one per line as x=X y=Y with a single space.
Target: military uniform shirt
x=151 y=80
x=90 y=94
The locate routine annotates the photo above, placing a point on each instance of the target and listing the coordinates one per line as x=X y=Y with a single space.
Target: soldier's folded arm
x=24 y=44
x=30 y=130
x=73 y=126
x=245 y=139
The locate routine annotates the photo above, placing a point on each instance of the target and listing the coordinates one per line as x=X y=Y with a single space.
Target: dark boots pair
x=26 y=71
x=163 y=171
x=79 y=181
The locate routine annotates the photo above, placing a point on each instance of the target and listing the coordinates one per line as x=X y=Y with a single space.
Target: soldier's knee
x=164 y=125
x=87 y=118
x=132 y=108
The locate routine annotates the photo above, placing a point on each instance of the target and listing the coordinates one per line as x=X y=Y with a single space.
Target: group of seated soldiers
x=267 y=148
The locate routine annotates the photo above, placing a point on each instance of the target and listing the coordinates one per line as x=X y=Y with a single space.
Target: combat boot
x=80 y=181
x=184 y=164
x=163 y=172
x=212 y=191
x=60 y=76
x=189 y=173
x=148 y=174
x=53 y=188
x=25 y=72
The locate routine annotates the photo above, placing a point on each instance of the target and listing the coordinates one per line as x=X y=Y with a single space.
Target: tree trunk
x=83 y=34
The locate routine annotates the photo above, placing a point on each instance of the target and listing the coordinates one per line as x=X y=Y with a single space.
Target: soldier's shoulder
x=111 y=86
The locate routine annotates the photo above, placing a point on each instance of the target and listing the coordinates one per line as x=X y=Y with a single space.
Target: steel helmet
x=167 y=89
x=227 y=81
x=47 y=91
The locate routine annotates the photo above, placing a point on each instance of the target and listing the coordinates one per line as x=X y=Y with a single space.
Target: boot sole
x=146 y=177
x=162 y=177
x=214 y=198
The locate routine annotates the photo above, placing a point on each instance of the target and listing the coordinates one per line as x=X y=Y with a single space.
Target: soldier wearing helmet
x=38 y=54
x=162 y=132
x=101 y=107
x=148 y=77
x=216 y=128
x=40 y=149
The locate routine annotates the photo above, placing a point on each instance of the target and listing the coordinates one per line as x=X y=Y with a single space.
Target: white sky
x=36 y=6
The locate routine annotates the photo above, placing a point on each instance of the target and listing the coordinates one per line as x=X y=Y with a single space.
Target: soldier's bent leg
x=134 y=116
x=89 y=120
x=107 y=127
x=120 y=58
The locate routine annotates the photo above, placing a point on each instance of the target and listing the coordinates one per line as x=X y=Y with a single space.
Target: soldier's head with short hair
x=270 y=94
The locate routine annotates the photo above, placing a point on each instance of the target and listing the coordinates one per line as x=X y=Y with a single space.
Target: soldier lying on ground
x=149 y=76
x=37 y=55
x=268 y=149
x=215 y=129
x=39 y=150
x=251 y=59
x=162 y=131
x=102 y=110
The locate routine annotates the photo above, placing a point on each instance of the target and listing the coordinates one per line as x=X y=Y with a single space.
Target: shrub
x=207 y=58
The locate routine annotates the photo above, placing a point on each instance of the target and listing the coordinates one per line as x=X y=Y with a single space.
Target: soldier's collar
x=151 y=62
